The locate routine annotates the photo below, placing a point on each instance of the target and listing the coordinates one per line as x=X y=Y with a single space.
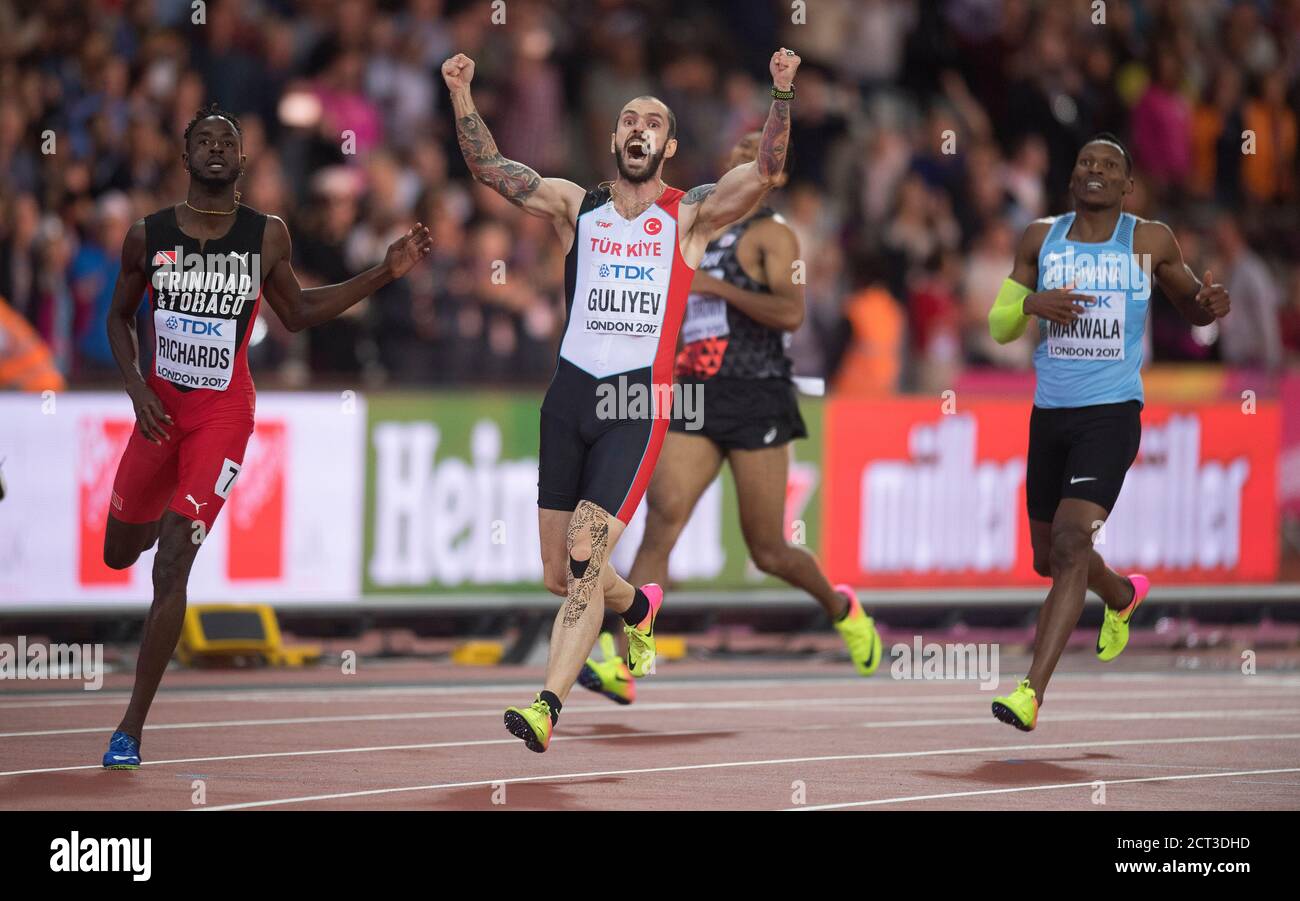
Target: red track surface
x=733 y=735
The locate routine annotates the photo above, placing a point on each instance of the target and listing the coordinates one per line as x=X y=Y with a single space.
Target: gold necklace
x=645 y=204
x=214 y=212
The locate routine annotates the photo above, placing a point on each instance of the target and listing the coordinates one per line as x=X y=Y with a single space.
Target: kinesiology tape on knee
x=578 y=567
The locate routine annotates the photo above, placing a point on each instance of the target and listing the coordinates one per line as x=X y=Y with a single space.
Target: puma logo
x=197 y=505
x=242 y=257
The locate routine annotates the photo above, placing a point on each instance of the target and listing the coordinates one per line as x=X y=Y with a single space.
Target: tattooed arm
x=708 y=208
x=550 y=198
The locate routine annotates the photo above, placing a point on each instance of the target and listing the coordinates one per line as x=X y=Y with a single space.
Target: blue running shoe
x=123 y=753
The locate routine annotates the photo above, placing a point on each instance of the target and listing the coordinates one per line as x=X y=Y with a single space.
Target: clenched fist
x=458 y=72
x=783 y=66
x=1213 y=296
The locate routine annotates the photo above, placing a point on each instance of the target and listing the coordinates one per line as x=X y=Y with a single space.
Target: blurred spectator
x=1250 y=335
x=1161 y=125
x=1269 y=172
x=1289 y=321
x=93 y=274
x=94 y=97
x=987 y=266
x=25 y=361
x=934 y=324
x=872 y=363
x=1217 y=126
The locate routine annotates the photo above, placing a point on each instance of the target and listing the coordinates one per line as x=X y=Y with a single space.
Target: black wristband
x=779 y=94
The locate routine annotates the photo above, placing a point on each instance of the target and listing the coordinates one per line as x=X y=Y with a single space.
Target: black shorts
x=587 y=451
x=740 y=414
x=1081 y=452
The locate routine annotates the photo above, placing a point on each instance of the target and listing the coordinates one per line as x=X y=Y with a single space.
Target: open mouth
x=637 y=149
x=1094 y=184
x=216 y=164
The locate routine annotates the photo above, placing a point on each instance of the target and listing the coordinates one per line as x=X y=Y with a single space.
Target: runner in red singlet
x=206 y=265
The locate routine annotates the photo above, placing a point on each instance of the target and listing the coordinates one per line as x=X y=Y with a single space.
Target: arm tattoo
x=513 y=181
x=698 y=195
x=588 y=515
x=776 y=138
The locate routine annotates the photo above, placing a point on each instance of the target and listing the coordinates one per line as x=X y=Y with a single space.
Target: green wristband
x=783 y=95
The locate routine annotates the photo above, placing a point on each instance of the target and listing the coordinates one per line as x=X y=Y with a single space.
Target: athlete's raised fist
x=1213 y=296
x=408 y=250
x=458 y=72
x=783 y=66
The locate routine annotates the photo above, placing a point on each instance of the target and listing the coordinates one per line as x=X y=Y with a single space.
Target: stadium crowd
x=925 y=136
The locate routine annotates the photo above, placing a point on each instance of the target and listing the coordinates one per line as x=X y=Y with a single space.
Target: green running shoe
x=859 y=632
x=641 y=637
x=531 y=724
x=1019 y=709
x=1113 y=637
x=609 y=677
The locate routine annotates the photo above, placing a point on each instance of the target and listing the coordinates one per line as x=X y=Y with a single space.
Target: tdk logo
x=196 y=326
x=627 y=273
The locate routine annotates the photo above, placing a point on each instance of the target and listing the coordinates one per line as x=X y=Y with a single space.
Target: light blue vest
x=1097 y=359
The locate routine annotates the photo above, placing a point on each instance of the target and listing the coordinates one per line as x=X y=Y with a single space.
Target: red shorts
x=191 y=474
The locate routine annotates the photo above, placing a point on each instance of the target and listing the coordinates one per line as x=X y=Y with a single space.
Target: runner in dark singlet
x=744 y=303
x=206 y=265
x=631 y=247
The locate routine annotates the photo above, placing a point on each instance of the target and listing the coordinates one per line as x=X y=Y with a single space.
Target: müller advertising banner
x=916 y=496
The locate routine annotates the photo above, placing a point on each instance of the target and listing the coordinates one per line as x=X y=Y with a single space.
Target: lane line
x=326 y=693
x=996 y=749
x=413 y=747
x=1235 y=713
x=1040 y=788
x=965 y=697
x=663 y=706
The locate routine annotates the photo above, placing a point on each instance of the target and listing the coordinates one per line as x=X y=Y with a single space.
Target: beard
x=651 y=168
x=215 y=180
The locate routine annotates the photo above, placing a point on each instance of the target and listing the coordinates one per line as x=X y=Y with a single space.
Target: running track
x=716 y=735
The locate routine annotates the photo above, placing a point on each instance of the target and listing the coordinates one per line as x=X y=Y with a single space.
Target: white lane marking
x=1040 y=788
x=327 y=694
x=1235 y=713
x=413 y=747
x=661 y=706
x=1246 y=693
x=996 y=749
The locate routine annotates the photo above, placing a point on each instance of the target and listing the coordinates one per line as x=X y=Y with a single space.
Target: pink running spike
x=655 y=595
x=1141 y=585
x=846 y=589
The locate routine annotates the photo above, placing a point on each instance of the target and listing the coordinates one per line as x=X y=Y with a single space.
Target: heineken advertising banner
x=451 y=500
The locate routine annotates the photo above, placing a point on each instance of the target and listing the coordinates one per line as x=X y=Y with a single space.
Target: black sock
x=554 y=702
x=578 y=567
x=637 y=612
x=848 y=607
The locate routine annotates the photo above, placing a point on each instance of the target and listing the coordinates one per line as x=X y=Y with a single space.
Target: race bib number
x=226 y=480
x=192 y=351
x=1098 y=333
x=626 y=298
x=706 y=317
